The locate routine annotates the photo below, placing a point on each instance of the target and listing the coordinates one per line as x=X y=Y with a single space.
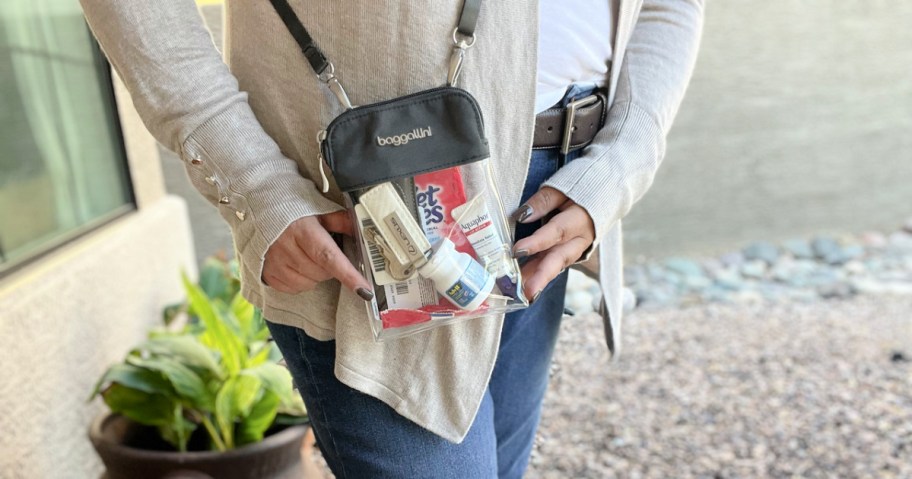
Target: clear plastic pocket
x=436 y=247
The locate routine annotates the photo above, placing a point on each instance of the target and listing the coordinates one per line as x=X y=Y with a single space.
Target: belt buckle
x=571 y=115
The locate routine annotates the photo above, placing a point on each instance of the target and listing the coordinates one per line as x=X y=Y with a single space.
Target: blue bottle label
x=467 y=287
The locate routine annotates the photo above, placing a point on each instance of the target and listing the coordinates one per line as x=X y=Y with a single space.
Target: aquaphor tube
x=475 y=221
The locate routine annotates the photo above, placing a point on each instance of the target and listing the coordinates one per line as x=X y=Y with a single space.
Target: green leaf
x=259 y=326
x=244 y=313
x=275 y=378
x=284 y=419
x=234 y=401
x=142 y=407
x=178 y=431
x=234 y=269
x=215 y=279
x=171 y=312
x=295 y=407
x=185 y=381
x=263 y=352
x=186 y=349
x=217 y=335
x=134 y=377
x=261 y=416
x=275 y=355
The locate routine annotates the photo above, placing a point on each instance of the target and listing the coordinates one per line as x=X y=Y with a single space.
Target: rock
x=684 y=266
x=577 y=281
x=874 y=265
x=867 y=286
x=799 y=248
x=762 y=250
x=835 y=291
x=803 y=295
x=594 y=288
x=873 y=239
x=655 y=272
x=796 y=281
x=853 y=252
x=635 y=274
x=825 y=277
x=854 y=267
x=783 y=271
x=772 y=292
x=696 y=283
x=754 y=269
x=900 y=240
x=825 y=247
x=729 y=279
x=655 y=297
x=898 y=357
x=673 y=279
x=579 y=301
x=629 y=301
x=732 y=259
x=873 y=286
x=841 y=255
x=716 y=294
x=748 y=297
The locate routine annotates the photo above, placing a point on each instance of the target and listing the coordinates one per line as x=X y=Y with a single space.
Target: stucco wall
x=66 y=317
x=798 y=120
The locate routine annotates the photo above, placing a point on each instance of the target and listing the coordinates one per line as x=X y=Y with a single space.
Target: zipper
x=321 y=138
x=322 y=135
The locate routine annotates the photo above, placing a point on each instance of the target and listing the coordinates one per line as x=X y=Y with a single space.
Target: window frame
x=106 y=84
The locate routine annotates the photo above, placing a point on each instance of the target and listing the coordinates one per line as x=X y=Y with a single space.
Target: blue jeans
x=361 y=437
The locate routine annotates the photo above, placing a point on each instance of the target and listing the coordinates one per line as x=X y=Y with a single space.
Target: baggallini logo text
x=403 y=139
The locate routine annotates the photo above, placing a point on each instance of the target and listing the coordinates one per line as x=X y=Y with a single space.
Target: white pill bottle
x=457 y=276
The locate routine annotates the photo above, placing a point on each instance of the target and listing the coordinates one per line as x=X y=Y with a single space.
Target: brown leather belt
x=572 y=127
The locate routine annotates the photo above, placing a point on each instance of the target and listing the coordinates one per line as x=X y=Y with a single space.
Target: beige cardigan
x=246 y=133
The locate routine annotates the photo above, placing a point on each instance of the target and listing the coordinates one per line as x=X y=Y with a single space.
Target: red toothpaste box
x=437 y=193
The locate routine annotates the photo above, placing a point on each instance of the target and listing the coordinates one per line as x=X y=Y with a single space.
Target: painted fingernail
x=535 y=297
x=523 y=213
x=520 y=253
x=365 y=294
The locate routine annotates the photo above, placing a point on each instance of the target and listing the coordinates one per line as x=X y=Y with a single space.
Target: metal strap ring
x=463 y=43
x=328 y=73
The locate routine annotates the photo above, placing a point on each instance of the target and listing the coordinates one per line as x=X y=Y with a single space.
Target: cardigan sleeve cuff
x=236 y=165
x=615 y=171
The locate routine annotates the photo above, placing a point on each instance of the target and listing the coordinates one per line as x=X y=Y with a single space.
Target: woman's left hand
x=557 y=244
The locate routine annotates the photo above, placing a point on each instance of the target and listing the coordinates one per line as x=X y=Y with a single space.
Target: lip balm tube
x=475 y=221
x=457 y=276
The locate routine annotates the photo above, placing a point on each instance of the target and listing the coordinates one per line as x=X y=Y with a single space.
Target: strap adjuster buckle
x=571 y=116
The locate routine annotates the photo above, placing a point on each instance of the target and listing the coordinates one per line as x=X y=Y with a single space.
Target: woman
x=459 y=401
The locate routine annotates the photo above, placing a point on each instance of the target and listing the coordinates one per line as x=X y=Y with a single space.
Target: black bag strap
x=309 y=47
x=468 y=18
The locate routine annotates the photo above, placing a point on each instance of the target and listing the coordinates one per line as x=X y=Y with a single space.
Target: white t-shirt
x=574 y=46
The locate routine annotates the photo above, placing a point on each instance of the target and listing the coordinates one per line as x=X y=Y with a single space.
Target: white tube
x=476 y=222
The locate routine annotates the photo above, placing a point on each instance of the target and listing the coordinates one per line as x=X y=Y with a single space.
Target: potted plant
x=203 y=396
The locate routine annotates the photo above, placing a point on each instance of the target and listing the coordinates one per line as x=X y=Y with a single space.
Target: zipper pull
x=321 y=137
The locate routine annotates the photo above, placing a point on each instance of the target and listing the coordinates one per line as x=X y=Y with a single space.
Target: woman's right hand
x=306 y=254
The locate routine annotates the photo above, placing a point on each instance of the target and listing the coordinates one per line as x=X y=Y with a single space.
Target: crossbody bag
x=415 y=174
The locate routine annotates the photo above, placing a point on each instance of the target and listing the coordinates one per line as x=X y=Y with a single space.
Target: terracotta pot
x=122 y=443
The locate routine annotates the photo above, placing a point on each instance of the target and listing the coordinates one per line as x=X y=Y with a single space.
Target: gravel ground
x=784 y=390
x=728 y=391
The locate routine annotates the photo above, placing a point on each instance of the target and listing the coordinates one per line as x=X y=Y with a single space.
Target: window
x=62 y=160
